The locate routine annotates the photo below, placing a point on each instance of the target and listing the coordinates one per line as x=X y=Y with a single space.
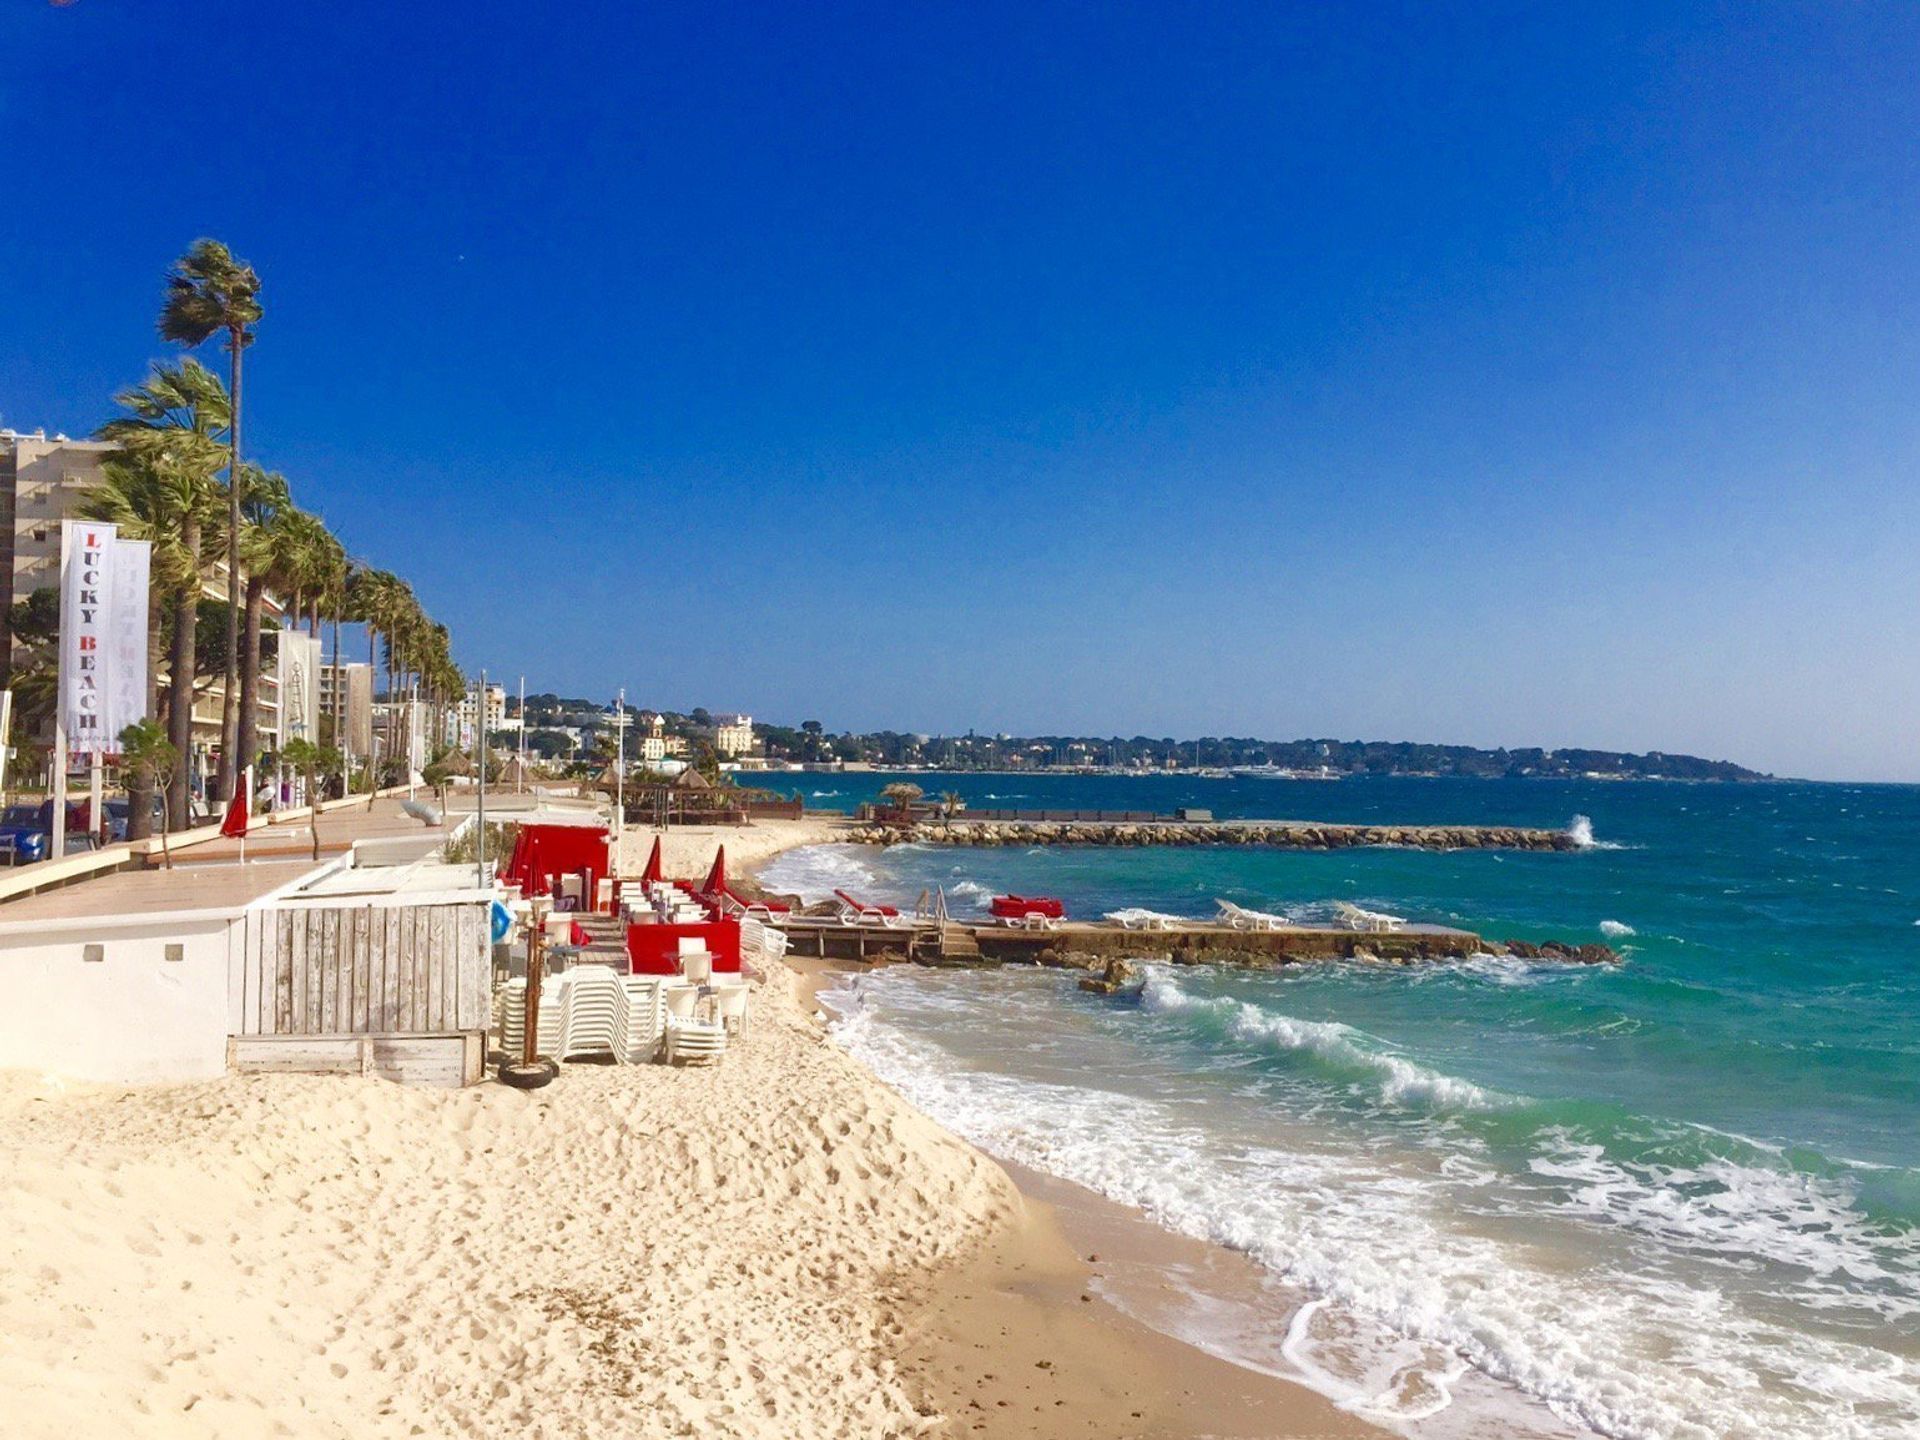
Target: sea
x=1676 y=1197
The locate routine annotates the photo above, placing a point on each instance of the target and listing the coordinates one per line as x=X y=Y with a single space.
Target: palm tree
x=210 y=292
x=277 y=551
x=160 y=487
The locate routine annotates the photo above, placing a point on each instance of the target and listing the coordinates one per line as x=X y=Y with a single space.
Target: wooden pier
x=1196 y=942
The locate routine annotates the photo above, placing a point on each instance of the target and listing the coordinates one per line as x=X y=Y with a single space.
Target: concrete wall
x=132 y=1015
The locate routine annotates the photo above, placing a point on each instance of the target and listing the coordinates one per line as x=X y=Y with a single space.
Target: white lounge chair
x=1241 y=918
x=1136 y=918
x=730 y=1008
x=696 y=961
x=1374 y=921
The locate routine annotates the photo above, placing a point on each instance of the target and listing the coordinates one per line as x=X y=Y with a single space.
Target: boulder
x=1120 y=974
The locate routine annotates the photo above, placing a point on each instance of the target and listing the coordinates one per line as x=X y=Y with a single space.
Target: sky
x=1480 y=374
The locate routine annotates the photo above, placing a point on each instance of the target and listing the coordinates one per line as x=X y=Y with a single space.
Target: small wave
x=1616 y=929
x=1400 y=1081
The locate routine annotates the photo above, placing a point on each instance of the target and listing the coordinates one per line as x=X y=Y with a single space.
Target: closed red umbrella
x=654 y=872
x=717 y=877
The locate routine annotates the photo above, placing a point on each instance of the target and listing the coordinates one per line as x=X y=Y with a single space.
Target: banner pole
x=95 y=776
x=57 y=846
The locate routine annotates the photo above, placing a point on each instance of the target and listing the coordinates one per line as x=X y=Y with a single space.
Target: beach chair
x=1241 y=918
x=591 y=1007
x=1136 y=918
x=689 y=1038
x=642 y=1021
x=513 y=1019
x=730 y=1008
x=1374 y=921
x=696 y=961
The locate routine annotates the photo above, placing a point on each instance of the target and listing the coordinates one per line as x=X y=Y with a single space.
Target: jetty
x=1276 y=834
x=1090 y=944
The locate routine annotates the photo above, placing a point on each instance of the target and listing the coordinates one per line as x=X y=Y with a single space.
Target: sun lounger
x=1371 y=920
x=1027 y=912
x=1135 y=918
x=1241 y=918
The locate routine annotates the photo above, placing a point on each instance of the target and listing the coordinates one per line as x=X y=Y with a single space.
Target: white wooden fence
x=395 y=985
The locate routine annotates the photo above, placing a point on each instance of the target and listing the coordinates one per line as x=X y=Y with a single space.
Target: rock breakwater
x=1278 y=834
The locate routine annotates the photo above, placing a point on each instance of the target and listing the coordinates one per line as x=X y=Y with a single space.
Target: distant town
x=583 y=733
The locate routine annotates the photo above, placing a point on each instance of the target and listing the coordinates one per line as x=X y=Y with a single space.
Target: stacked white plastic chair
x=513 y=1018
x=591 y=1008
x=690 y=1039
x=643 y=1019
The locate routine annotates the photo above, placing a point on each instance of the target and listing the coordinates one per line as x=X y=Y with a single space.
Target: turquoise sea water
x=1680 y=1197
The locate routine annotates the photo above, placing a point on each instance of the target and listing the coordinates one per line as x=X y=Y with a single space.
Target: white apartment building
x=346 y=699
x=733 y=734
x=495 y=709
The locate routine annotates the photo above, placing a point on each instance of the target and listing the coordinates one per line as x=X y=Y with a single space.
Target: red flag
x=234 y=827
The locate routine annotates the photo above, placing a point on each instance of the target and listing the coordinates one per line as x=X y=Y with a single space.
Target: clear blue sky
x=1521 y=375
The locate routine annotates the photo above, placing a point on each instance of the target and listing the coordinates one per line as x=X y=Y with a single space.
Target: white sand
x=629 y=1252
x=688 y=852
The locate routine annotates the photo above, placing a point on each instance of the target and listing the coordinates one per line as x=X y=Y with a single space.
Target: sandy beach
x=780 y=1246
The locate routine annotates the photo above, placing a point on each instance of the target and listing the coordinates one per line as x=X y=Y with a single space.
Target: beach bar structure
x=376 y=960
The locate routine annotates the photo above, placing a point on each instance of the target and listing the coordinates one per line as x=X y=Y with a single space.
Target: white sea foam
x=1802 y=1222
x=1631 y=1350
x=814 y=872
x=1580 y=831
x=1616 y=929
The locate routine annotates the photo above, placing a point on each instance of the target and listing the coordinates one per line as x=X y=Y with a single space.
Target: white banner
x=103 y=635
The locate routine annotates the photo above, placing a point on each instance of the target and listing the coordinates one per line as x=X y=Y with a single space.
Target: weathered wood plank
x=403 y=967
x=302 y=991
x=388 y=984
x=282 y=973
x=363 y=1014
x=323 y=952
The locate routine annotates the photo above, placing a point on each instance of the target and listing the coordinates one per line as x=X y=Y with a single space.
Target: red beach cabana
x=543 y=851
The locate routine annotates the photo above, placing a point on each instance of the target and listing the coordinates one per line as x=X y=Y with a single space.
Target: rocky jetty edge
x=1278 y=834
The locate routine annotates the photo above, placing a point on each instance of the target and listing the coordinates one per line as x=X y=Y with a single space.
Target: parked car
x=118 y=811
x=26 y=832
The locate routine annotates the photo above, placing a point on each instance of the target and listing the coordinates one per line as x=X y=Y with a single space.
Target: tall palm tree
x=160 y=487
x=210 y=292
x=272 y=553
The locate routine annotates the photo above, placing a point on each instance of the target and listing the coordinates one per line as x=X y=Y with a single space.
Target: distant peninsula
x=562 y=728
x=1306 y=758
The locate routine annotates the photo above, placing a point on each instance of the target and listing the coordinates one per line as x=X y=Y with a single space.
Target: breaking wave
x=1347 y=1052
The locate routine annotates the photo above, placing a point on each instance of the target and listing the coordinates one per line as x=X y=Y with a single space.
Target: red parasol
x=654 y=873
x=234 y=827
x=716 y=877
